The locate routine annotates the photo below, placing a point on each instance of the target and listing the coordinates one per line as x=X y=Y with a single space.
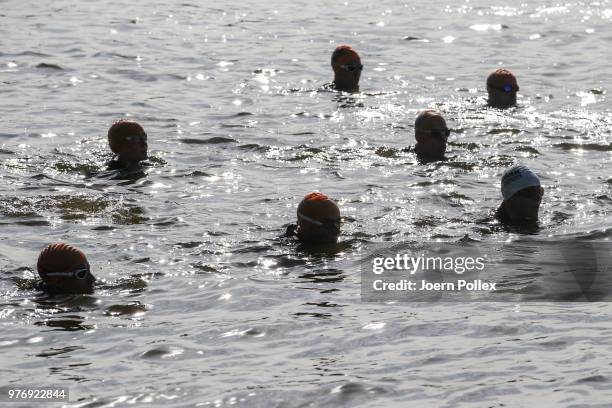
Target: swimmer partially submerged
x=318 y=220
x=431 y=134
x=128 y=140
x=522 y=193
x=347 y=67
x=502 y=88
x=64 y=269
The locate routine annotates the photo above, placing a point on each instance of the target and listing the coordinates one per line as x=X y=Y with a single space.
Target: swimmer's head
x=318 y=219
x=502 y=88
x=128 y=140
x=522 y=193
x=65 y=269
x=347 y=69
x=431 y=134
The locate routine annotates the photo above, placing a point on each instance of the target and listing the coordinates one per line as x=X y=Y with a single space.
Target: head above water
x=318 y=219
x=431 y=134
x=502 y=88
x=522 y=193
x=65 y=270
x=128 y=140
x=347 y=67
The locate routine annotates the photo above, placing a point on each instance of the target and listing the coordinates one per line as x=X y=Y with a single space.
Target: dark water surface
x=199 y=304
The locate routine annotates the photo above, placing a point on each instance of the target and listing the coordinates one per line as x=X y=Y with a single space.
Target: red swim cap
x=501 y=77
x=315 y=196
x=59 y=257
x=343 y=54
x=318 y=206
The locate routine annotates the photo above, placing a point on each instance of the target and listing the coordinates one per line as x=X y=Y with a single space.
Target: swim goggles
x=329 y=223
x=79 y=273
x=534 y=192
x=439 y=133
x=352 y=67
x=507 y=88
x=136 y=138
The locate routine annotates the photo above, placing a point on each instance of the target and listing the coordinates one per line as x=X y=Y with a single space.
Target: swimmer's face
x=524 y=205
x=432 y=136
x=502 y=93
x=78 y=280
x=133 y=147
x=347 y=71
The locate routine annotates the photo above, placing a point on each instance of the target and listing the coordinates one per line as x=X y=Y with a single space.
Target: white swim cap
x=517 y=178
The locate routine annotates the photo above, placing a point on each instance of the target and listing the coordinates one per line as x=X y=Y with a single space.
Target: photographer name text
x=422 y=285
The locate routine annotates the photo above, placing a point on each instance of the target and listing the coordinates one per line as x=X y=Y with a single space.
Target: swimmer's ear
x=541 y=191
x=418 y=137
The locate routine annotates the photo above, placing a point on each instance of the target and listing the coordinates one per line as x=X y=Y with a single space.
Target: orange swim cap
x=316 y=196
x=501 y=77
x=318 y=206
x=343 y=54
x=59 y=257
x=120 y=130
